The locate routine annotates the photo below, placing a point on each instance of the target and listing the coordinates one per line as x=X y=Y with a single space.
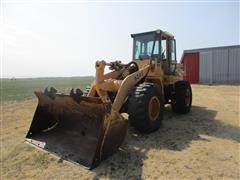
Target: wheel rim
x=153 y=108
x=187 y=97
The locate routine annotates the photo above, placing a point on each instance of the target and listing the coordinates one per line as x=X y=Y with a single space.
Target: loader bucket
x=76 y=129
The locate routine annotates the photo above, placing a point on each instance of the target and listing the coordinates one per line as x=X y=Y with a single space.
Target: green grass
x=22 y=89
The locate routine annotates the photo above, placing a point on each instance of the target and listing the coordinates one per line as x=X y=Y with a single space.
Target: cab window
x=146 y=47
x=172 y=53
x=164 y=50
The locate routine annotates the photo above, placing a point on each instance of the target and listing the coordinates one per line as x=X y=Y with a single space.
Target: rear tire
x=145 y=107
x=182 y=97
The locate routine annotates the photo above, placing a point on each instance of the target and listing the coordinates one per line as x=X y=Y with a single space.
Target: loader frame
x=87 y=128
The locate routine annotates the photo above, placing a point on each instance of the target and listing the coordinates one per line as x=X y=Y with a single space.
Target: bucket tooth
x=50 y=93
x=77 y=96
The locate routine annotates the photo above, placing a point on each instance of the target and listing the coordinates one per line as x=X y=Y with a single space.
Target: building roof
x=206 y=49
x=209 y=48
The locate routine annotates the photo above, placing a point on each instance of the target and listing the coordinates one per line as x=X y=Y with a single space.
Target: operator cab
x=157 y=46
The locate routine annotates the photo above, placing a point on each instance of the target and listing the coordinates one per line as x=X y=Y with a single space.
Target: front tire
x=145 y=107
x=182 y=97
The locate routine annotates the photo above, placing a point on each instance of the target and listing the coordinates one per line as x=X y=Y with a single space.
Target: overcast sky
x=65 y=38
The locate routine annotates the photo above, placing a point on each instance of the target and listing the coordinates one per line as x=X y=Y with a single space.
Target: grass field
x=204 y=144
x=22 y=89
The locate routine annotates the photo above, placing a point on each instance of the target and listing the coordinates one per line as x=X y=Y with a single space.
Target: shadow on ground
x=176 y=134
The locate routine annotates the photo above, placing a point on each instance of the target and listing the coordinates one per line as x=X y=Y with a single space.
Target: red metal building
x=212 y=65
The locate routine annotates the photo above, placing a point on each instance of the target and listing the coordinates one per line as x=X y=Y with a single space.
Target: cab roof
x=158 y=31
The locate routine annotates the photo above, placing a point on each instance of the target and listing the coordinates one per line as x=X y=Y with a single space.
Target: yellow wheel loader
x=86 y=127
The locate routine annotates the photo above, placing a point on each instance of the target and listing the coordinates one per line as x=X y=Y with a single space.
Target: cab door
x=168 y=55
x=164 y=54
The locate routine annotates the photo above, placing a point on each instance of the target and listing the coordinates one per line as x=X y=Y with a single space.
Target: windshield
x=143 y=47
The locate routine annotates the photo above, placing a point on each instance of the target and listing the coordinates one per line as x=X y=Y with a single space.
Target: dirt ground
x=204 y=144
